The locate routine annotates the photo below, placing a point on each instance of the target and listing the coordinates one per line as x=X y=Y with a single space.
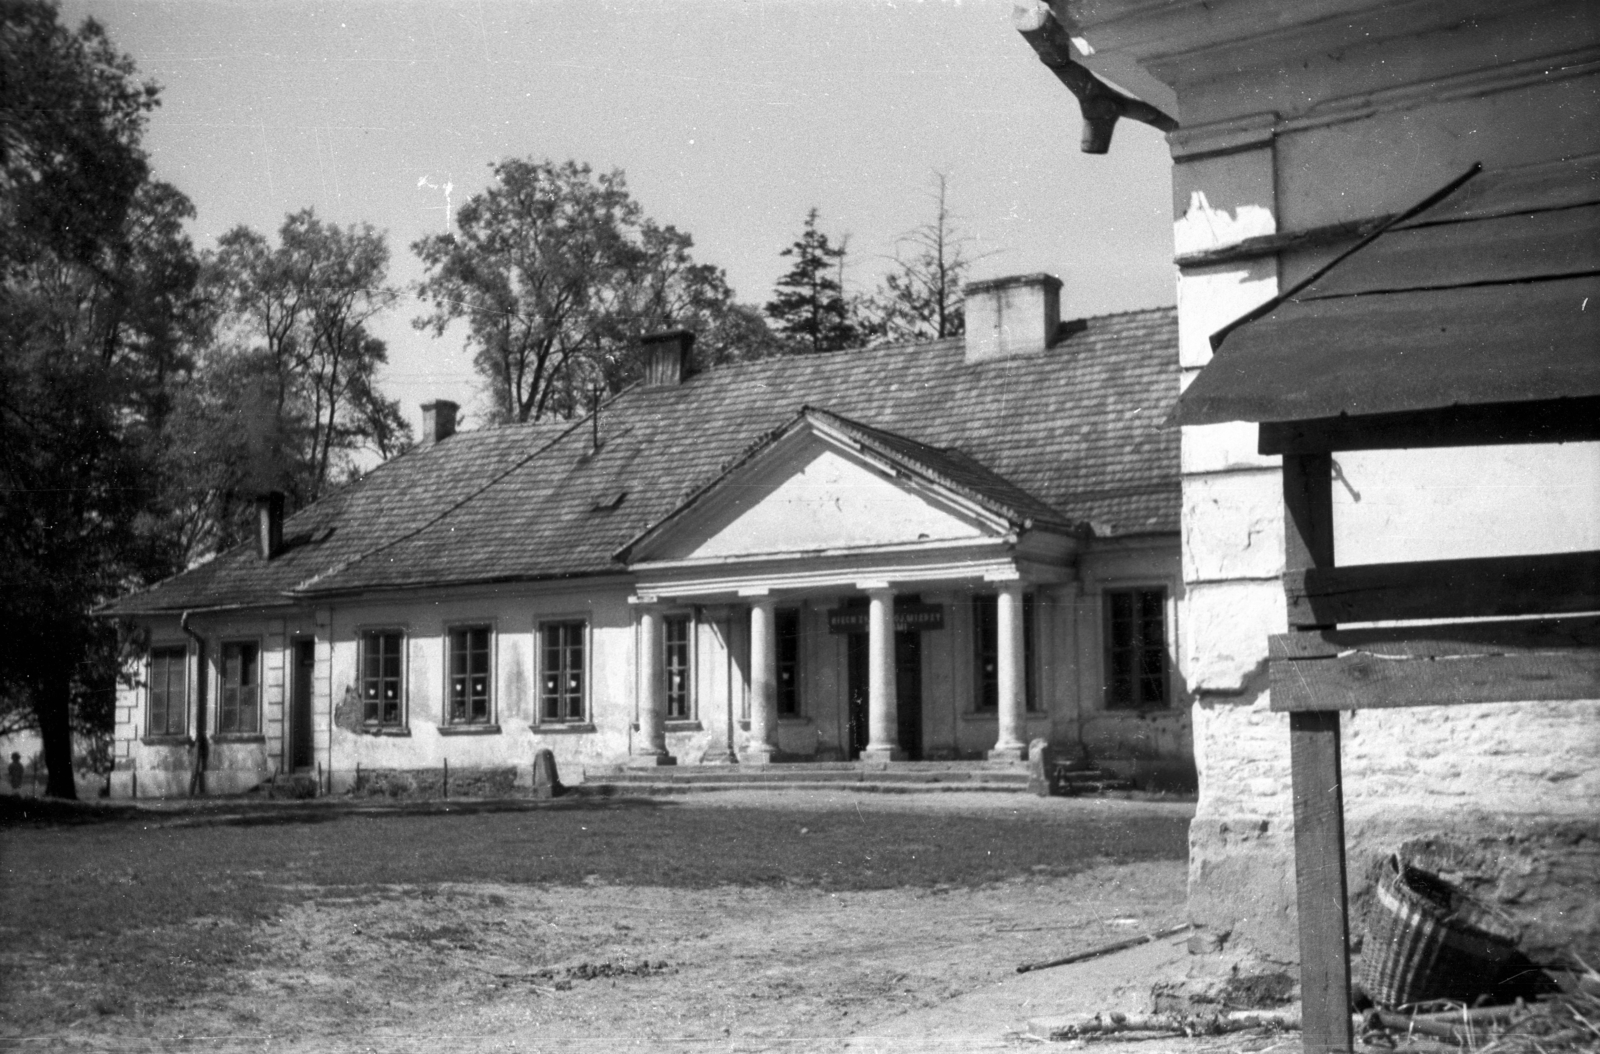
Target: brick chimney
x=667 y=357
x=269 y=524
x=1018 y=315
x=438 y=421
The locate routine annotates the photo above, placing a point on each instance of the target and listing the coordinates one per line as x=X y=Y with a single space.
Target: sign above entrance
x=907 y=617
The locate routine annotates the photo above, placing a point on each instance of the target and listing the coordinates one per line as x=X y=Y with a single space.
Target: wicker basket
x=1427 y=940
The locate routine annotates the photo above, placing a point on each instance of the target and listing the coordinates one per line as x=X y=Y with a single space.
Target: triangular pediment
x=809 y=492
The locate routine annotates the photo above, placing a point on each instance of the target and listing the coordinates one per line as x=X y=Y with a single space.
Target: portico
x=827 y=512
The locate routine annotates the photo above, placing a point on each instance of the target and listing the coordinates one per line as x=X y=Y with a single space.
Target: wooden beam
x=1308 y=512
x=1318 y=797
x=1441 y=640
x=1488 y=424
x=1543 y=584
x=1320 y=882
x=1361 y=681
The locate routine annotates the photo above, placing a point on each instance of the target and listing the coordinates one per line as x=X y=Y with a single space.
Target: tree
x=557 y=273
x=297 y=362
x=808 y=304
x=96 y=284
x=921 y=296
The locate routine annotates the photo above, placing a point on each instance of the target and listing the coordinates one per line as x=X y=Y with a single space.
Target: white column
x=883 y=730
x=1009 y=627
x=763 y=682
x=650 y=748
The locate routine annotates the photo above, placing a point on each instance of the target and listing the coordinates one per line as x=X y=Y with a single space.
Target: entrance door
x=856 y=685
x=908 y=692
x=301 y=747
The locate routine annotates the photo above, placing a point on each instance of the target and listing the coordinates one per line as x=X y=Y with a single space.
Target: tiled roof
x=1075 y=428
x=397 y=497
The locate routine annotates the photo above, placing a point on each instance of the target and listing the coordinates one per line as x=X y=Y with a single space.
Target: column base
x=882 y=755
x=1016 y=753
x=757 y=755
x=651 y=761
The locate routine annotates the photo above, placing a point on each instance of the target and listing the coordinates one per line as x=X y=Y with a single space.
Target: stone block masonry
x=496 y=782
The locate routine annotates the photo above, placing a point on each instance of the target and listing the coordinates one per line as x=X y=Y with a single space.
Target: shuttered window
x=564 y=667
x=469 y=676
x=382 y=683
x=1136 y=649
x=239 y=710
x=168 y=710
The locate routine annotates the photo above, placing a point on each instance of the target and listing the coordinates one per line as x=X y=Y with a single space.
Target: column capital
x=642 y=600
x=751 y=592
x=875 y=587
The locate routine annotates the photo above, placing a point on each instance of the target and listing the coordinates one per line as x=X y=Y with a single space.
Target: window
x=788 y=634
x=986 y=633
x=381 y=678
x=680 y=682
x=237 y=710
x=169 y=692
x=469 y=676
x=561 y=695
x=1136 y=649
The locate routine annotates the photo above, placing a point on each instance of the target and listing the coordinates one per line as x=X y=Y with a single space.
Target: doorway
x=302 y=746
x=908 y=692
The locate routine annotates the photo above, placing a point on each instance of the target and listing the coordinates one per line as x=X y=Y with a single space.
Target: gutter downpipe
x=202 y=746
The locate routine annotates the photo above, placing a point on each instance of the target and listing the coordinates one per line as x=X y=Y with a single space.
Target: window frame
x=367 y=636
x=1137 y=701
x=237 y=706
x=986 y=687
x=689 y=696
x=449 y=718
x=585 y=649
x=181 y=651
x=789 y=697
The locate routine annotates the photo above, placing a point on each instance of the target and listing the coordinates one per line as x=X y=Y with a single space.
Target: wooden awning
x=1490 y=297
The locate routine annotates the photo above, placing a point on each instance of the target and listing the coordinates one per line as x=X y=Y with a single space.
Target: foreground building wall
x=1299 y=128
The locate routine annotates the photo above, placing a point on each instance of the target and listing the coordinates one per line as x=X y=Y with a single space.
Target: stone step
x=608 y=789
x=786 y=775
x=1090 y=781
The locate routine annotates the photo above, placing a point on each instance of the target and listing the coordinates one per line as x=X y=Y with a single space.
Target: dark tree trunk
x=52 y=706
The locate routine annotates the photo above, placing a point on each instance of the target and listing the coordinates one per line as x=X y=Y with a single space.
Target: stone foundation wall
x=498 y=782
x=1506 y=796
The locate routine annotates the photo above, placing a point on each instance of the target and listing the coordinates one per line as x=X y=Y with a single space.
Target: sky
x=731 y=118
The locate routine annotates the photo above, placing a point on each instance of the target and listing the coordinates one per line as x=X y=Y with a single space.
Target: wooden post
x=1318 y=794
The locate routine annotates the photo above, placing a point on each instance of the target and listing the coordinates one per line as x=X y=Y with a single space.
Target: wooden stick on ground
x=1095 y=953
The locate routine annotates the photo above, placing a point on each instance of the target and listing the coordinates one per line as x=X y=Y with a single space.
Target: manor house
x=936 y=551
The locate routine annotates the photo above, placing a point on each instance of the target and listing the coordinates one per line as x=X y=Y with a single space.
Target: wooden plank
x=1451 y=638
x=1320 y=882
x=1308 y=511
x=1360 y=680
x=1514 y=248
x=1484 y=424
x=1542 y=584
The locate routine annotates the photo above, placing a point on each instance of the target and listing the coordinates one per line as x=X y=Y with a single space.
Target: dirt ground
x=613 y=963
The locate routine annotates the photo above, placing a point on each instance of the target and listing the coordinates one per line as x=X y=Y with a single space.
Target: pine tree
x=808 y=306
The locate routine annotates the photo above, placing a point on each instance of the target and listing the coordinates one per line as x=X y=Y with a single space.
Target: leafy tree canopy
x=557 y=273
x=96 y=315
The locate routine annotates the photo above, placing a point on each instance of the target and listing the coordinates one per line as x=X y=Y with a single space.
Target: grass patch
x=154 y=907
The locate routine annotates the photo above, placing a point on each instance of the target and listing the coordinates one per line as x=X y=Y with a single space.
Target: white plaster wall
x=832 y=501
x=1393 y=505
